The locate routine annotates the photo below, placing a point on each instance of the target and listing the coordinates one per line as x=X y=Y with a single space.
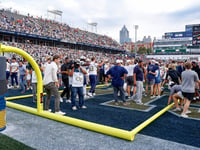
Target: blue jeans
x=93 y=81
x=74 y=92
x=22 y=82
x=14 y=76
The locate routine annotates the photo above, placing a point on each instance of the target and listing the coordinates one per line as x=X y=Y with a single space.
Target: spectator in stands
x=118 y=73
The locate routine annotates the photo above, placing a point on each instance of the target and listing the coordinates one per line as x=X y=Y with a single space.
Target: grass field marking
x=146 y=110
x=191 y=118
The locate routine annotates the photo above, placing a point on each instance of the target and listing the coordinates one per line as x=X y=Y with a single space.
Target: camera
x=76 y=64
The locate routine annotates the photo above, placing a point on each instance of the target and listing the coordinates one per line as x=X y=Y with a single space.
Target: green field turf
x=7 y=143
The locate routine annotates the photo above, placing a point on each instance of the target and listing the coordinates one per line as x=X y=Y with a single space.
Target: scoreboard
x=196 y=36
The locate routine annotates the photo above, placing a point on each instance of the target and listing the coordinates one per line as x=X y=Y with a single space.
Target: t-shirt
x=116 y=73
x=189 y=78
x=77 y=78
x=64 y=67
x=14 y=66
x=130 y=69
x=151 y=68
x=93 y=68
x=34 y=77
x=22 y=70
x=175 y=89
x=7 y=66
x=139 y=73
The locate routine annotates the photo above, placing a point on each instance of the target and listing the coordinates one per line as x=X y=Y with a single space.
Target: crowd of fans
x=43 y=27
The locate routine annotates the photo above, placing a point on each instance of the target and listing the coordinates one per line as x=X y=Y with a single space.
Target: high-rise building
x=124 y=35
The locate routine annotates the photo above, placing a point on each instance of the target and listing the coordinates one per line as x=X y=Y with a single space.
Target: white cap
x=82 y=57
x=118 y=61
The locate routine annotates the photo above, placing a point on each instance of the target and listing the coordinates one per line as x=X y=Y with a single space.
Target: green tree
x=149 y=50
x=142 y=50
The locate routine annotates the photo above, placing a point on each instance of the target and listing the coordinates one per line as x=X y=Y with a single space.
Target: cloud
x=154 y=17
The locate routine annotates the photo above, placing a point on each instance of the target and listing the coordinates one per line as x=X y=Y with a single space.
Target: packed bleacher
x=12 y=21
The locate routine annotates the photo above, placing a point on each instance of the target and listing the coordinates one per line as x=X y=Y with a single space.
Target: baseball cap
x=118 y=61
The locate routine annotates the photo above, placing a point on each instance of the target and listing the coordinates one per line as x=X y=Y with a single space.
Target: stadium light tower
x=55 y=12
x=136 y=28
x=93 y=25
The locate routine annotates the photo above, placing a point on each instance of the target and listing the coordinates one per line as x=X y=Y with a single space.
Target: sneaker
x=145 y=94
x=176 y=109
x=188 y=112
x=197 y=98
x=60 y=113
x=184 y=115
x=116 y=103
x=139 y=103
x=194 y=98
x=129 y=97
x=61 y=99
x=83 y=107
x=68 y=101
x=90 y=94
x=93 y=94
x=152 y=96
x=158 y=96
x=49 y=110
x=126 y=103
x=74 y=108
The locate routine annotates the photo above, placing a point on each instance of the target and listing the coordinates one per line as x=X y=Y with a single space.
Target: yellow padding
x=2 y=119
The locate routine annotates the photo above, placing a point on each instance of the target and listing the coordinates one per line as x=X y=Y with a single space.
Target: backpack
x=174 y=76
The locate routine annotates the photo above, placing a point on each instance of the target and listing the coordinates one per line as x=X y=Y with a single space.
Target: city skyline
x=153 y=17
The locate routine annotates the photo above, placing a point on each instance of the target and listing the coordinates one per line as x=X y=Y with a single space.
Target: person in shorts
x=189 y=78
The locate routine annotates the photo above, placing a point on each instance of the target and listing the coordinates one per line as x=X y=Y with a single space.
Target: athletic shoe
x=176 y=109
x=158 y=96
x=74 y=108
x=49 y=110
x=126 y=103
x=68 y=101
x=188 y=112
x=145 y=94
x=129 y=97
x=194 y=98
x=116 y=103
x=90 y=94
x=83 y=107
x=184 y=115
x=93 y=94
x=60 y=113
x=153 y=96
x=61 y=99
x=139 y=103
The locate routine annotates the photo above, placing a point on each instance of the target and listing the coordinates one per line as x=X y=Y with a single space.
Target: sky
x=154 y=17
